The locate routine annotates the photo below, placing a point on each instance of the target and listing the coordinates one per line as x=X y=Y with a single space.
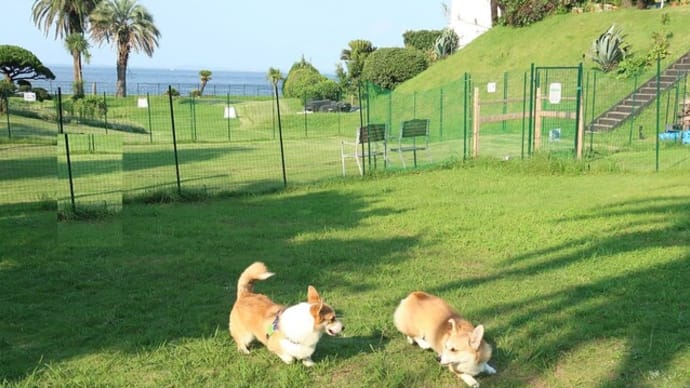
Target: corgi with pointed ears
x=431 y=323
x=291 y=332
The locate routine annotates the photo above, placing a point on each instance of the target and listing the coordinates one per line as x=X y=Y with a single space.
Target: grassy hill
x=559 y=40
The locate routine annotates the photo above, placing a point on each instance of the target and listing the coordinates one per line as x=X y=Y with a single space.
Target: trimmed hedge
x=389 y=67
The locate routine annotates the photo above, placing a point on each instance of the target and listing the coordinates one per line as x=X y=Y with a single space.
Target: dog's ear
x=313 y=296
x=451 y=322
x=476 y=337
x=315 y=309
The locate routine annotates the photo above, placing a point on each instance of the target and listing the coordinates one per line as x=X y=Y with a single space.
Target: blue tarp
x=682 y=136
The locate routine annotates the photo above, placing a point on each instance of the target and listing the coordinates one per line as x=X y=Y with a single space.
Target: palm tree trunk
x=122 y=58
x=494 y=11
x=78 y=87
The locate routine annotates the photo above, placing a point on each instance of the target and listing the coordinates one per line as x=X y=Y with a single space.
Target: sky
x=249 y=35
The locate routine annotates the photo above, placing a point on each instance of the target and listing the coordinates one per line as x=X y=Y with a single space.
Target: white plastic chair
x=370 y=143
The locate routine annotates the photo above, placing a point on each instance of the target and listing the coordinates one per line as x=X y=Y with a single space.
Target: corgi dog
x=290 y=332
x=431 y=323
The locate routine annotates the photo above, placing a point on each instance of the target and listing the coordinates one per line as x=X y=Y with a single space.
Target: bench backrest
x=371 y=133
x=414 y=128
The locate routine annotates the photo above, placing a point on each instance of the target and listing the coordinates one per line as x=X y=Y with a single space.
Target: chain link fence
x=100 y=151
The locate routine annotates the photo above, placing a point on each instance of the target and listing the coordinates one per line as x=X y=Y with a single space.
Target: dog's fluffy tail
x=254 y=272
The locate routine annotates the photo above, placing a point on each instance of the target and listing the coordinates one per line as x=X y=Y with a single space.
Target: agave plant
x=610 y=49
x=446 y=44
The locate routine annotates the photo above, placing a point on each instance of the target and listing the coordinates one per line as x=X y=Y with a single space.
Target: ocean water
x=141 y=81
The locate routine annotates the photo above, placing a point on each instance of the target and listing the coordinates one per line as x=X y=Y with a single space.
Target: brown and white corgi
x=290 y=332
x=431 y=323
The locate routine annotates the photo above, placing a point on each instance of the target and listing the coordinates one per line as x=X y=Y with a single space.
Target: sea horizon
x=142 y=80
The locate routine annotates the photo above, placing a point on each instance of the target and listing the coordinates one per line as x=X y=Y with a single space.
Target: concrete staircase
x=640 y=98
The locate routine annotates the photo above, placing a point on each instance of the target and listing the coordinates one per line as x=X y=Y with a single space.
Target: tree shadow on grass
x=174 y=276
x=643 y=308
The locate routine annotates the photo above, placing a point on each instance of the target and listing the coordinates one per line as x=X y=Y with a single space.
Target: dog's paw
x=469 y=380
x=410 y=340
x=308 y=362
x=423 y=343
x=243 y=349
x=288 y=359
x=488 y=369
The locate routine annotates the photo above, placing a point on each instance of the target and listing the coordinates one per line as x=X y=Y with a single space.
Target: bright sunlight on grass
x=580 y=280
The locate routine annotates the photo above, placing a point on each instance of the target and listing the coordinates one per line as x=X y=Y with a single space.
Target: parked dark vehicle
x=329 y=106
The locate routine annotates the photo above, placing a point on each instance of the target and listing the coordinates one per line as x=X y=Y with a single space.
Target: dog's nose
x=438 y=358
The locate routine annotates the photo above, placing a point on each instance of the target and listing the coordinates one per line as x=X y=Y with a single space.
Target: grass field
x=578 y=270
x=579 y=279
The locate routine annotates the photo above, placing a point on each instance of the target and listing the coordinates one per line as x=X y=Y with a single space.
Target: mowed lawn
x=581 y=280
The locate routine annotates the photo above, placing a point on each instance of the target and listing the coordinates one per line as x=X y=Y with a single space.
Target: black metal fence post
x=59 y=112
x=172 y=123
x=658 y=106
x=105 y=114
x=7 y=112
x=148 y=108
x=69 y=174
x=280 y=134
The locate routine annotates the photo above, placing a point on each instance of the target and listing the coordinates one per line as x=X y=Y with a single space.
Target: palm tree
x=274 y=75
x=355 y=55
x=204 y=76
x=69 y=17
x=130 y=27
x=78 y=43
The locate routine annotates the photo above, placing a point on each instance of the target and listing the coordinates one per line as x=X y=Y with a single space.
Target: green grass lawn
x=579 y=279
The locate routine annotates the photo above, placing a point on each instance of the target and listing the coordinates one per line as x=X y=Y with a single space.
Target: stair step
x=644 y=94
x=638 y=100
x=619 y=115
x=625 y=108
x=608 y=121
x=599 y=127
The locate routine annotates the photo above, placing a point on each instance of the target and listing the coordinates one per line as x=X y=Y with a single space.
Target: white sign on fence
x=555 y=93
x=29 y=96
x=230 y=112
x=142 y=102
x=491 y=87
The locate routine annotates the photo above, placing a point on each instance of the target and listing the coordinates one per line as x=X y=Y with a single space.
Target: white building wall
x=469 y=19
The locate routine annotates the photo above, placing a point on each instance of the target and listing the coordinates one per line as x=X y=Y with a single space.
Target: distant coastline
x=155 y=81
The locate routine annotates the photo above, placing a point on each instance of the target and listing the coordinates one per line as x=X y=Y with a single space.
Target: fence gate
x=556 y=123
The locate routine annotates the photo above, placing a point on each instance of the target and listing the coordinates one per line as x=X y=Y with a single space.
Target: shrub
x=389 y=67
x=631 y=66
x=661 y=41
x=195 y=93
x=172 y=91
x=423 y=40
x=91 y=107
x=307 y=83
x=327 y=89
x=42 y=94
x=520 y=13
